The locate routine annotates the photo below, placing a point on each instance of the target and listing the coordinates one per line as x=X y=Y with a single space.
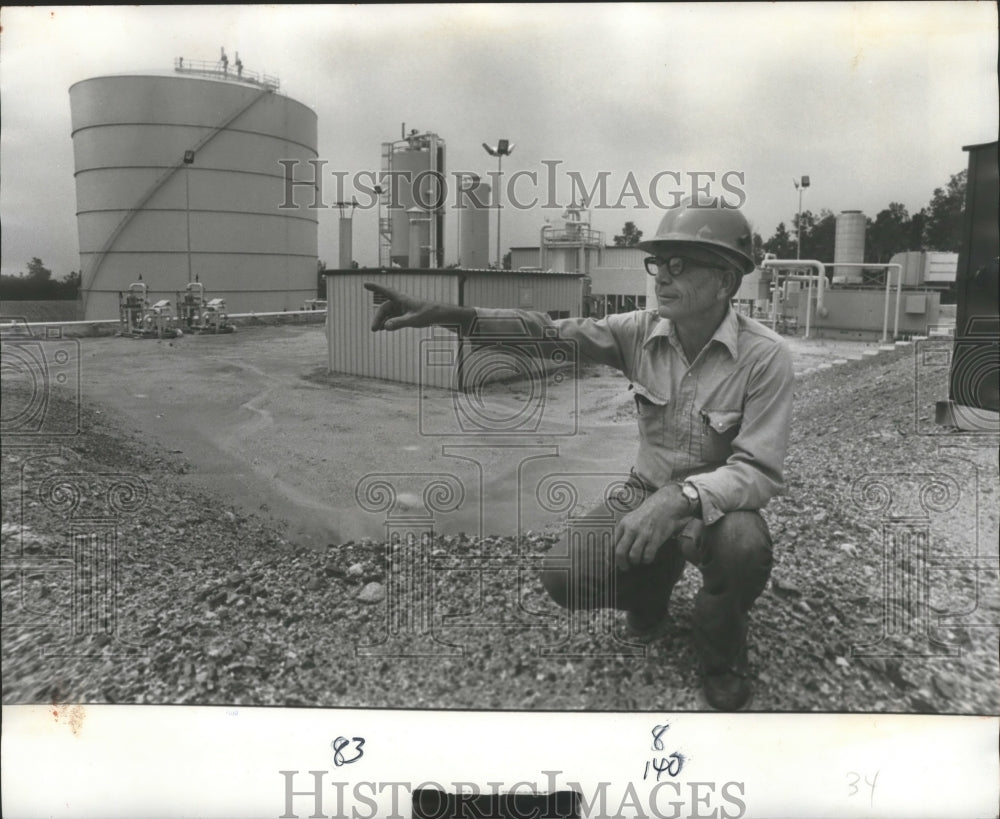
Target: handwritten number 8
x=658 y=732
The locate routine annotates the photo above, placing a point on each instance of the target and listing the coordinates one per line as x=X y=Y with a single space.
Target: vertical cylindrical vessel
x=416 y=180
x=188 y=176
x=346 y=254
x=849 y=244
x=474 y=224
x=418 y=252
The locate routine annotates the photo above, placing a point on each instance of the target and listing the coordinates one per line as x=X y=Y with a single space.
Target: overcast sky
x=873 y=101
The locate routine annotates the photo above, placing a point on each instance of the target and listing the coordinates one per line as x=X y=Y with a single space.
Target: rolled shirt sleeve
x=745 y=371
x=600 y=341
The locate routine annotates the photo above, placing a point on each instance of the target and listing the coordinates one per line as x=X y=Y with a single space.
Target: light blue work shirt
x=721 y=421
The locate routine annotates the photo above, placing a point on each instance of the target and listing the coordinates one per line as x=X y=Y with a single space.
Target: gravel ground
x=215 y=607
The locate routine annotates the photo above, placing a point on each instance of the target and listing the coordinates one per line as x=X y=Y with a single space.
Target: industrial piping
x=819 y=277
x=888 y=282
x=541 y=246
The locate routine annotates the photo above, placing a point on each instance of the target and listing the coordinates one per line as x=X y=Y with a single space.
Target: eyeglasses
x=677 y=265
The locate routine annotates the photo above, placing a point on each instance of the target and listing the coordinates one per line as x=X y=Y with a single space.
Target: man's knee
x=737 y=549
x=740 y=535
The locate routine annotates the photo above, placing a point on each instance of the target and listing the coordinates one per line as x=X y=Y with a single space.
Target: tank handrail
x=207 y=68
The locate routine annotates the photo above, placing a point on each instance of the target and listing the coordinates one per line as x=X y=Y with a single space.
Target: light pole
x=800 y=185
x=378 y=227
x=502 y=149
x=188 y=161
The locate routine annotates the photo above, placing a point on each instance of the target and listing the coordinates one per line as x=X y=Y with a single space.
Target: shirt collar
x=726 y=333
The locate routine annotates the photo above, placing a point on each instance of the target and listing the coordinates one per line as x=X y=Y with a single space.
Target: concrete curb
x=866 y=355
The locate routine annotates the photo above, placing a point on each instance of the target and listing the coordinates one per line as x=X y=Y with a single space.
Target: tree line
x=937 y=226
x=37 y=284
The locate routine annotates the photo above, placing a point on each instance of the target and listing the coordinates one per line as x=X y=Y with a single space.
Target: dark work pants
x=733 y=555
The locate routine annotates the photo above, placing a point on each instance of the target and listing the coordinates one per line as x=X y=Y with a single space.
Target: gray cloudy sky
x=873 y=101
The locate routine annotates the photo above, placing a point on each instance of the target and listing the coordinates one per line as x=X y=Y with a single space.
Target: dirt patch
x=261 y=422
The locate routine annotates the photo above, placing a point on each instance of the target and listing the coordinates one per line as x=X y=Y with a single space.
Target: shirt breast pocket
x=652 y=419
x=719 y=429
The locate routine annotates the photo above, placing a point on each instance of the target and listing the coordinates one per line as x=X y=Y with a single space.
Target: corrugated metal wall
x=621 y=258
x=522 y=257
x=617 y=270
x=428 y=356
x=620 y=271
x=395 y=356
x=527 y=291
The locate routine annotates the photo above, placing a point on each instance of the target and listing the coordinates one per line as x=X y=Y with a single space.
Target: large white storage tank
x=849 y=245
x=474 y=224
x=143 y=210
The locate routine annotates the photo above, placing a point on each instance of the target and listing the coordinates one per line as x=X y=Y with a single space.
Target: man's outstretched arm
x=399 y=311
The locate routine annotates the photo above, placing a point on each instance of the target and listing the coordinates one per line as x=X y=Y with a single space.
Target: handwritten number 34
x=340 y=743
x=855 y=778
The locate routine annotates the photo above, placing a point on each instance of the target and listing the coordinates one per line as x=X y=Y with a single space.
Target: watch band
x=690 y=493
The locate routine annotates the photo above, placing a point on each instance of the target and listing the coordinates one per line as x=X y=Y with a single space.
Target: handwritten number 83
x=340 y=743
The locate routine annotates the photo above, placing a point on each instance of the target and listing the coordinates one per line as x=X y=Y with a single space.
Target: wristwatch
x=690 y=493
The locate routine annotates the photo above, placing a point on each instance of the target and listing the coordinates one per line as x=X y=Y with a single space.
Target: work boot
x=720 y=630
x=728 y=688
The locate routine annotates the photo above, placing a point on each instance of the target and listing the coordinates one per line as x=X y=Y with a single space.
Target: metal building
x=429 y=356
x=849 y=245
x=178 y=177
x=616 y=280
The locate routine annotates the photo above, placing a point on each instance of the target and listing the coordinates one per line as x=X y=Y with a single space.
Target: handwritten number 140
x=671 y=765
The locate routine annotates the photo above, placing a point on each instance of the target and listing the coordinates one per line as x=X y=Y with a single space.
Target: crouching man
x=713 y=393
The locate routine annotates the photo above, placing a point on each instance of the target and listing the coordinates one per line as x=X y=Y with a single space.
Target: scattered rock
x=922 y=703
x=784 y=588
x=944 y=686
x=372 y=593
